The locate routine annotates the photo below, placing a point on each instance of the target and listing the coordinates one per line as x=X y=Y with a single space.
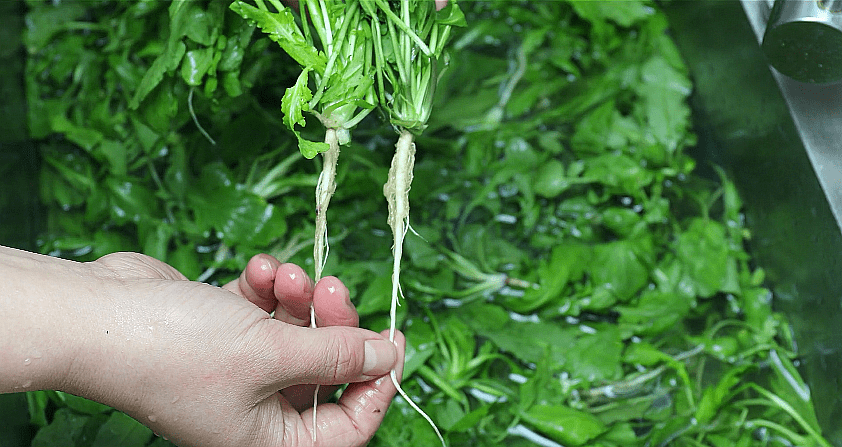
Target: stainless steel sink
x=781 y=141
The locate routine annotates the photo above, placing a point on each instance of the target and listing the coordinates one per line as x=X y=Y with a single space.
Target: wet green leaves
x=335 y=46
x=120 y=136
x=572 y=279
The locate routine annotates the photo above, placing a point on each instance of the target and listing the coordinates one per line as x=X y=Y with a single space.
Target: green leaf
x=789 y=386
x=44 y=22
x=236 y=215
x=619 y=171
x=703 y=250
x=281 y=28
x=451 y=15
x=596 y=356
x=187 y=19
x=526 y=340
x=310 y=149
x=196 y=64
x=166 y=62
x=470 y=419
x=618 y=269
x=376 y=297
x=622 y=12
x=62 y=430
x=567 y=262
x=564 y=424
x=131 y=199
x=296 y=101
x=550 y=180
x=715 y=397
x=85 y=138
x=420 y=345
x=36 y=402
x=664 y=91
x=185 y=259
x=654 y=312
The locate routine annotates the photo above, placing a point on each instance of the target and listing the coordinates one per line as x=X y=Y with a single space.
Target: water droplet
x=152 y=418
x=26 y=362
x=174 y=399
x=36 y=354
x=27 y=384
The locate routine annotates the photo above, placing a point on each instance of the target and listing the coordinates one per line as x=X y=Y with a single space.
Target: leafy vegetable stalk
x=408 y=46
x=335 y=48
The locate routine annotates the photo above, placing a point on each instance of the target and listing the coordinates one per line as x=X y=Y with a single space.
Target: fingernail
x=380 y=357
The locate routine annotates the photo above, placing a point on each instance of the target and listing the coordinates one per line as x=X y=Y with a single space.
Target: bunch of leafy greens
x=572 y=280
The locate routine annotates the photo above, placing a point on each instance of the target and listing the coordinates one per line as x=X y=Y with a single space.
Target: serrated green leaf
x=310 y=149
x=166 y=62
x=296 y=101
x=281 y=28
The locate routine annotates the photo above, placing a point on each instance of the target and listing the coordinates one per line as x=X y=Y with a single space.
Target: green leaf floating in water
x=564 y=424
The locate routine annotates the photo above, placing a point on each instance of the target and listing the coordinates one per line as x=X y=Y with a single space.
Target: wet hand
x=201 y=365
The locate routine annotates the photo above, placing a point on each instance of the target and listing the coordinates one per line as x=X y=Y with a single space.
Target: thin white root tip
x=415 y=407
x=316 y=392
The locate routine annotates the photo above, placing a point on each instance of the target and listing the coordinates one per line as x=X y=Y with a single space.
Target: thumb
x=335 y=355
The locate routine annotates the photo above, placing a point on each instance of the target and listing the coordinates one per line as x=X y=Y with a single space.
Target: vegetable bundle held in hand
x=347 y=45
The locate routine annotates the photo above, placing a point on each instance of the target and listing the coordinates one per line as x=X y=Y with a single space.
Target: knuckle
x=345 y=361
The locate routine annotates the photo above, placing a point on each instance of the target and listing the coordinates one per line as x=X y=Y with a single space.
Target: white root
x=396 y=191
x=325 y=187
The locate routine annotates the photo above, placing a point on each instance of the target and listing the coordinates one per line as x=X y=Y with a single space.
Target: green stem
x=403 y=26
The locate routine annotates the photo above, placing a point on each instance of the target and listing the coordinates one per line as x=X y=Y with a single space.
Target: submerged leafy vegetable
x=572 y=281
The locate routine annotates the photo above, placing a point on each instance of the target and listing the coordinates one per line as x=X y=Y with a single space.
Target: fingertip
x=255 y=282
x=260 y=272
x=332 y=301
x=290 y=279
x=294 y=293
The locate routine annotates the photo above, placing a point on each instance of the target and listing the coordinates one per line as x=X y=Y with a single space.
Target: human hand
x=288 y=291
x=202 y=366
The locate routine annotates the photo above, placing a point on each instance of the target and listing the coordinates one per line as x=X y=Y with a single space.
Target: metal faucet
x=803 y=39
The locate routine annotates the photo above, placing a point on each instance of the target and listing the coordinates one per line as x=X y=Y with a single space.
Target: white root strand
x=396 y=191
x=325 y=187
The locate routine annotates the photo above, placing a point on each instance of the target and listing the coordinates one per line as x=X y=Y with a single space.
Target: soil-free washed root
x=396 y=191
x=325 y=187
